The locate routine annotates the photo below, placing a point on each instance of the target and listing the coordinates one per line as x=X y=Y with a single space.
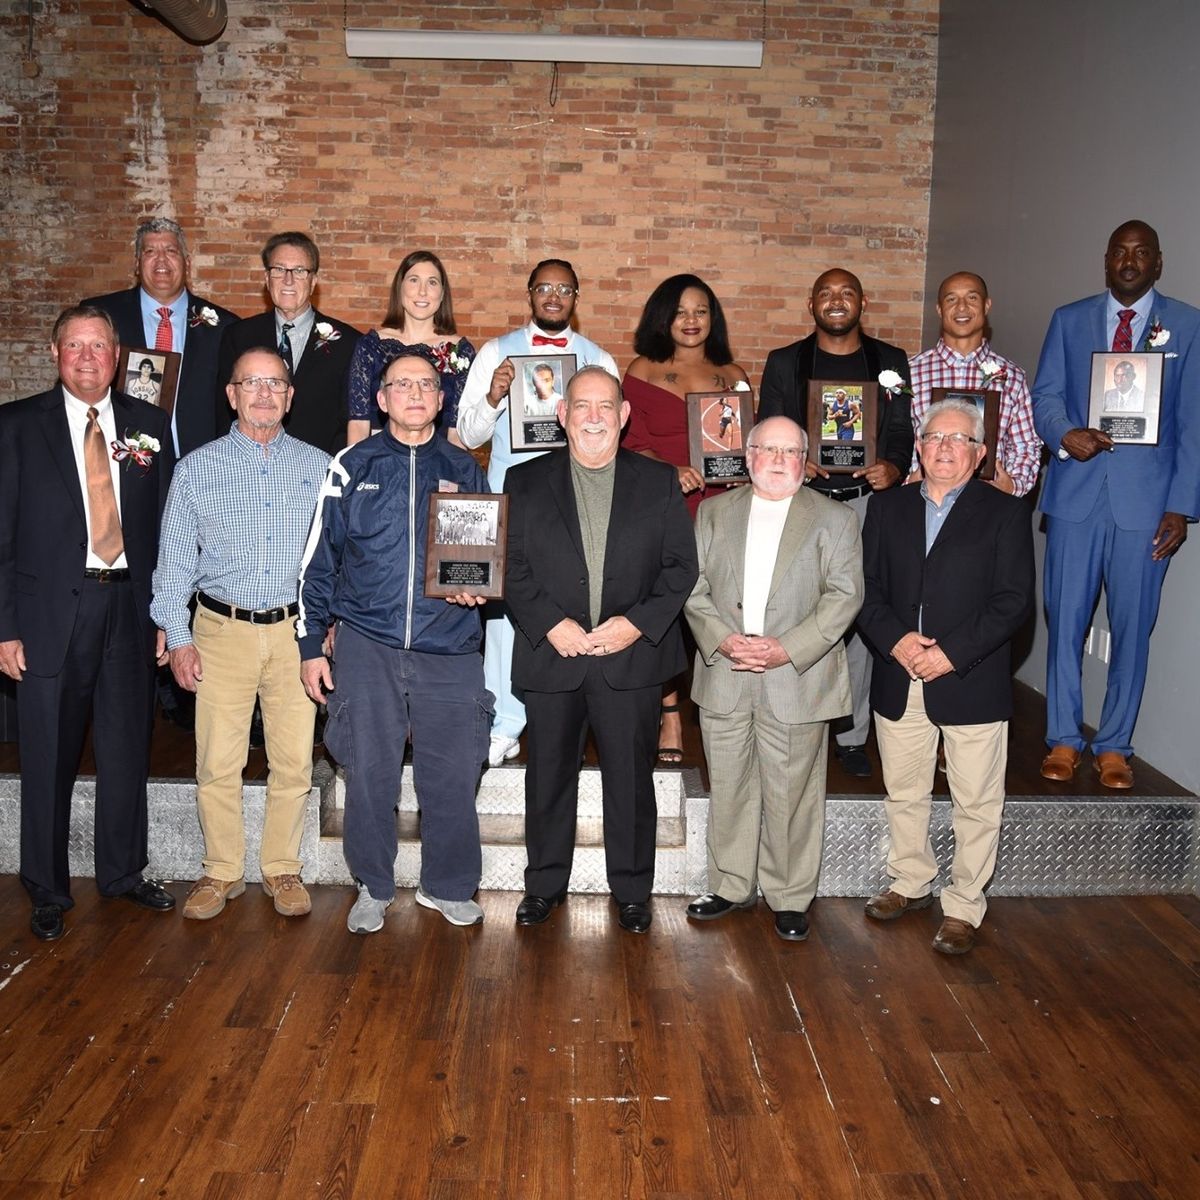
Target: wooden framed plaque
x=718 y=423
x=465 y=544
x=150 y=375
x=1125 y=396
x=537 y=388
x=988 y=403
x=842 y=419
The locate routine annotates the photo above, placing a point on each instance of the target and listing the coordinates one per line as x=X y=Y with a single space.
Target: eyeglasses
x=405 y=386
x=937 y=437
x=257 y=382
x=554 y=289
x=300 y=273
x=788 y=452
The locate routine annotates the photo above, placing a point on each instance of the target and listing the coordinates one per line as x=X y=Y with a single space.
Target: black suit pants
x=107 y=674
x=625 y=725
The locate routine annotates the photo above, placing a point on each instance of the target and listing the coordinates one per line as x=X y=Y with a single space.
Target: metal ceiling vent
x=199 y=21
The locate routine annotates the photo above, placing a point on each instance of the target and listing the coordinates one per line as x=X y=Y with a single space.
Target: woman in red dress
x=683 y=346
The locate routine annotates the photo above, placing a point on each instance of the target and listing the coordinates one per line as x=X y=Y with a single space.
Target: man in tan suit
x=780 y=583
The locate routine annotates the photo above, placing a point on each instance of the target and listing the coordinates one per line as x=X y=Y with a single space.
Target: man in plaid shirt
x=963 y=358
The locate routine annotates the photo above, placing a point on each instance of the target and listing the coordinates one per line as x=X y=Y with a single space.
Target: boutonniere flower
x=137 y=448
x=991 y=372
x=326 y=334
x=203 y=315
x=893 y=384
x=741 y=386
x=448 y=361
x=1156 y=336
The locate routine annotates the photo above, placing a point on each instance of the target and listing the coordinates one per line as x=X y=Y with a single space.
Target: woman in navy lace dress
x=420 y=316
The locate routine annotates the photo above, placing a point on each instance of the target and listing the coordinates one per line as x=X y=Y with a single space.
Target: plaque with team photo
x=539 y=384
x=842 y=419
x=718 y=423
x=465 y=547
x=150 y=375
x=1125 y=396
x=988 y=404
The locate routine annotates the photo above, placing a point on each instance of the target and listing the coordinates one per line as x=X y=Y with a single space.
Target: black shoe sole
x=744 y=906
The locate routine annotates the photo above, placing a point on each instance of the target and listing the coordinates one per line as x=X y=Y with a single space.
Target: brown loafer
x=1060 y=763
x=954 y=937
x=1114 y=770
x=889 y=905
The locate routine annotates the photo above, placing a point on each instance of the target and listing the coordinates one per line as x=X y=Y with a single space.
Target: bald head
x=775 y=453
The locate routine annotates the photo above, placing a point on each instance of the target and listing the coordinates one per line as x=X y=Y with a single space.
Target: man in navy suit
x=317 y=348
x=192 y=323
x=1114 y=513
x=84 y=472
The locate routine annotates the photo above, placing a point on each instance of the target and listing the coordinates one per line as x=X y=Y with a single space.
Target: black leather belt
x=262 y=616
x=107 y=574
x=848 y=493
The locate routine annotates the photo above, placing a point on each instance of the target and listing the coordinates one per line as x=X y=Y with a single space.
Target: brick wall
x=757 y=180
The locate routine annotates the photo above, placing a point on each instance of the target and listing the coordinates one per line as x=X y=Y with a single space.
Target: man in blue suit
x=1114 y=513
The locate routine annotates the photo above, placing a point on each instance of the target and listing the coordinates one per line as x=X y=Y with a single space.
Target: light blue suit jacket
x=1143 y=481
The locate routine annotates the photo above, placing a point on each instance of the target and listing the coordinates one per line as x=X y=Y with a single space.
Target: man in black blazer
x=317 y=348
x=84 y=472
x=601 y=558
x=193 y=326
x=838 y=350
x=949 y=576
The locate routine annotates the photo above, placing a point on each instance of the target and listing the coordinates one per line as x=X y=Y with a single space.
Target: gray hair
x=801 y=433
x=159 y=225
x=953 y=404
x=595 y=369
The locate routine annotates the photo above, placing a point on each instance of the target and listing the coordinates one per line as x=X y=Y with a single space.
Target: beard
x=548 y=326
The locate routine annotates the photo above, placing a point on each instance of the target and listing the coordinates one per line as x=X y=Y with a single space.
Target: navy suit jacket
x=193 y=400
x=973 y=591
x=43 y=527
x=784 y=393
x=319 y=412
x=1143 y=481
x=650 y=569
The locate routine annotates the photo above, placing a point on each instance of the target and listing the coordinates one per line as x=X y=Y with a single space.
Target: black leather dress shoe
x=148 y=894
x=533 y=910
x=46 y=923
x=791 y=926
x=854 y=760
x=634 y=917
x=710 y=906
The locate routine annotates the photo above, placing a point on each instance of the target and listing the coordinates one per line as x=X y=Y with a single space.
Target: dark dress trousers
x=649 y=571
x=194 y=423
x=318 y=414
x=89 y=645
x=784 y=393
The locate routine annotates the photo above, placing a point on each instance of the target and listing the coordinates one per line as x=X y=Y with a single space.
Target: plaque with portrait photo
x=1126 y=395
x=988 y=404
x=150 y=375
x=718 y=423
x=842 y=419
x=538 y=386
x=465 y=545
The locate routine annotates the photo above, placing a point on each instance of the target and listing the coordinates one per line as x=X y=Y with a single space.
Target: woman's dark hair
x=443 y=319
x=653 y=336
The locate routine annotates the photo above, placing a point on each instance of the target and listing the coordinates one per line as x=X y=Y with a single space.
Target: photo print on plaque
x=539 y=384
x=1125 y=396
x=841 y=424
x=718 y=423
x=150 y=375
x=465 y=547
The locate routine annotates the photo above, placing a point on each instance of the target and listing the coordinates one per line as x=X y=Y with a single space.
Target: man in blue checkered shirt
x=234 y=529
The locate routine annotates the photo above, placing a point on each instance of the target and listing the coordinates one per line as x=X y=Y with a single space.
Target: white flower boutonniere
x=991 y=372
x=893 y=384
x=139 y=448
x=741 y=386
x=1156 y=336
x=203 y=316
x=326 y=335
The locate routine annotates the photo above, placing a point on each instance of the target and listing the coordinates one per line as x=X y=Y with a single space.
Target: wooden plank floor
x=252 y=1057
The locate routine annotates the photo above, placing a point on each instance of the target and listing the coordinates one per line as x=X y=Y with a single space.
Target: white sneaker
x=457 y=912
x=367 y=914
x=501 y=749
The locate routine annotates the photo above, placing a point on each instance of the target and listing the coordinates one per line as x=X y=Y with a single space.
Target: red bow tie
x=539 y=340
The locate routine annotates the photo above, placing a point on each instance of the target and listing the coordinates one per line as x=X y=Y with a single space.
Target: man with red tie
x=84 y=472
x=483 y=416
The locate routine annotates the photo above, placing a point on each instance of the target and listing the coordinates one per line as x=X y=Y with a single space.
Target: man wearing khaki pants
x=233 y=532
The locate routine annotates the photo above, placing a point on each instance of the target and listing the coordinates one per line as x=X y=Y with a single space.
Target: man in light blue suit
x=1114 y=513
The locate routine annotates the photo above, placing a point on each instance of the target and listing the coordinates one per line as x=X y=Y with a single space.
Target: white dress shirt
x=767 y=518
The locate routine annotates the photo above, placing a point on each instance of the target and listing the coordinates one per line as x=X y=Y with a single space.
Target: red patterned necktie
x=163 y=339
x=540 y=340
x=1123 y=338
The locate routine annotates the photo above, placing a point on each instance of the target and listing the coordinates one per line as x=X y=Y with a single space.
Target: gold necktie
x=107 y=543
